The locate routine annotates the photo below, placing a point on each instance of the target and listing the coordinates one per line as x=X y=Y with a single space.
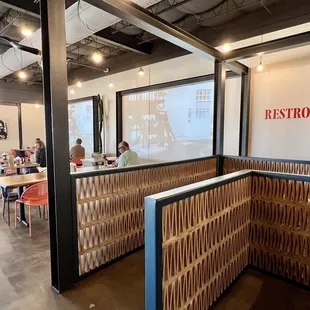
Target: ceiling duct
x=82 y=20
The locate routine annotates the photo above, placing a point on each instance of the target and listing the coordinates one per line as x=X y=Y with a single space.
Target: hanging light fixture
x=22 y=75
x=260 y=67
x=97 y=57
x=111 y=85
x=79 y=84
x=37 y=106
x=141 y=72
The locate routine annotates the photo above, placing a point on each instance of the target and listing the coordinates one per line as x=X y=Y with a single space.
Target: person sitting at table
x=128 y=157
x=41 y=155
x=78 y=150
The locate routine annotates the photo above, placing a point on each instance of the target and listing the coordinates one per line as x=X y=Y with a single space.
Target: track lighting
x=141 y=72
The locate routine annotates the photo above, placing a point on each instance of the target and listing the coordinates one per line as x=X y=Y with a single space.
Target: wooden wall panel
x=110 y=208
x=236 y=164
x=205 y=245
x=280 y=227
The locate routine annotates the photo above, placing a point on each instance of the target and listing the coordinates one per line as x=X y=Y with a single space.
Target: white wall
x=9 y=114
x=166 y=71
x=33 y=123
x=282 y=85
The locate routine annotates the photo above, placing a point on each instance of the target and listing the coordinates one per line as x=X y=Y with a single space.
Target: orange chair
x=34 y=196
x=78 y=161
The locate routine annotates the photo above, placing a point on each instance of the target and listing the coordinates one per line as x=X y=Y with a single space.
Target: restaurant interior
x=154 y=154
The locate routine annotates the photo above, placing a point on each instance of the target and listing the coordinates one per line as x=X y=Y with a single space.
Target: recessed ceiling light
x=22 y=75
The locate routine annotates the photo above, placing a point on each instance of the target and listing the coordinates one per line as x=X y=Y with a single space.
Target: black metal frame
x=62 y=235
x=219 y=107
x=95 y=118
x=20 y=126
x=244 y=114
x=177 y=83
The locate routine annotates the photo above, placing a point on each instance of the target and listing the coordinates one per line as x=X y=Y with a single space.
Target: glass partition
x=81 y=118
x=173 y=123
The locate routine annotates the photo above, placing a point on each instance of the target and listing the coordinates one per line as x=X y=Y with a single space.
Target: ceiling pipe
x=21 y=47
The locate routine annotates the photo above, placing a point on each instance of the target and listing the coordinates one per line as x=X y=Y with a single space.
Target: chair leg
x=9 y=214
x=40 y=212
x=3 y=211
x=46 y=211
x=16 y=213
x=30 y=227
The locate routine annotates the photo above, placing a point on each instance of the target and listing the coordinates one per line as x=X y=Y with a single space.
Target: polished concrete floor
x=25 y=281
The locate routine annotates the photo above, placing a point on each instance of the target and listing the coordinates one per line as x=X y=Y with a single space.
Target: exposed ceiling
x=124 y=46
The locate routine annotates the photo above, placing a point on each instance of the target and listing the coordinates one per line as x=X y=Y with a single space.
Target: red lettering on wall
x=282 y=113
x=275 y=113
x=305 y=112
x=267 y=114
x=297 y=113
x=287 y=113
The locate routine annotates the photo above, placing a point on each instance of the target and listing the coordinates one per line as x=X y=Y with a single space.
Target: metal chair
x=34 y=196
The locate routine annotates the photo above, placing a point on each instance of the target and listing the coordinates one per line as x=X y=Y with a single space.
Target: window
x=203 y=95
x=171 y=123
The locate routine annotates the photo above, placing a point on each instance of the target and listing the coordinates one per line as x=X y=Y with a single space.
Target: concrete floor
x=25 y=281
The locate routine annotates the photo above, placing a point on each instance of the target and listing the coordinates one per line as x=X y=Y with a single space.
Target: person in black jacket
x=41 y=156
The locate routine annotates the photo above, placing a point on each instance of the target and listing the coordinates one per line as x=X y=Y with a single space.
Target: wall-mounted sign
x=3 y=130
x=287 y=113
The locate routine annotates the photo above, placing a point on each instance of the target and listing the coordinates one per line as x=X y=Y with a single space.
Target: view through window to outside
x=81 y=124
x=170 y=124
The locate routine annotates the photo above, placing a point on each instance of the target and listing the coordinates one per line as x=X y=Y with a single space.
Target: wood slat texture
x=110 y=208
x=280 y=227
x=205 y=245
x=237 y=164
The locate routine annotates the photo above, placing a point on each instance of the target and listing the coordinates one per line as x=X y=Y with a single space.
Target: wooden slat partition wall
x=204 y=242
x=110 y=207
x=232 y=164
x=280 y=227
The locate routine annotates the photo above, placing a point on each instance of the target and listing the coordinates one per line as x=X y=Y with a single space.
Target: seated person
x=40 y=154
x=128 y=157
x=78 y=150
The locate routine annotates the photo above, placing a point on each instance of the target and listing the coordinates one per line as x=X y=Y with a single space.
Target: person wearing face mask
x=128 y=157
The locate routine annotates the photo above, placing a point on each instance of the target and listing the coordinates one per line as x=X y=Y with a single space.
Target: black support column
x=55 y=87
x=244 y=114
x=219 y=107
x=20 y=126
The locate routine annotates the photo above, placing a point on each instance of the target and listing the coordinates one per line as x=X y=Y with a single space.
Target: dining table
x=19 y=182
x=18 y=167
